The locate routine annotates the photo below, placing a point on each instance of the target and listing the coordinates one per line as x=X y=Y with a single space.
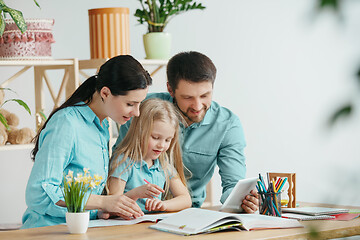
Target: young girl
x=147 y=165
x=76 y=136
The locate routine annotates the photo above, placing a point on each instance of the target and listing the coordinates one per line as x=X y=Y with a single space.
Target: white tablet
x=242 y=188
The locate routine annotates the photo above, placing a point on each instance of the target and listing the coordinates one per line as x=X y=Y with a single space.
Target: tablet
x=242 y=188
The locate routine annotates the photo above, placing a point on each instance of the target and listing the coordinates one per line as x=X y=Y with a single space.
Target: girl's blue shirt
x=134 y=173
x=73 y=140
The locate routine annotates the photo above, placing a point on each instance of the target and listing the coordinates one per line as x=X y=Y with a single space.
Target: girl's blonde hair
x=134 y=145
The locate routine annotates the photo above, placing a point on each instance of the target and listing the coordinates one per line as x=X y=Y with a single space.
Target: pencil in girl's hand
x=146 y=181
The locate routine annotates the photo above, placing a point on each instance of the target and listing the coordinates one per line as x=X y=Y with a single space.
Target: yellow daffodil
x=92 y=184
x=70 y=174
x=86 y=171
x=74 y=189
x=97 y=177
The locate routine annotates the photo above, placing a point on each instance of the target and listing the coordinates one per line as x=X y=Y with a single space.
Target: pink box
x=35 y=43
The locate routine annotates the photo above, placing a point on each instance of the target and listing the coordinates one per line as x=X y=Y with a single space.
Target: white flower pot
x=77 y=222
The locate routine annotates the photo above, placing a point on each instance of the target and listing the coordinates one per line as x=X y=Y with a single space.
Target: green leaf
x=37 y=4
x=8 y=89
x=43 y=116
x=2 y=24
x=358 y=76
x=21 y=103
x=4 y=122
x=158 y=12
x=329 y=3
x=344 y=111
x=18 y=19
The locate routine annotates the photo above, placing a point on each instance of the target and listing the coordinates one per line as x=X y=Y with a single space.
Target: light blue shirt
x=135 y=173
x=217 y=140
x=72 y=140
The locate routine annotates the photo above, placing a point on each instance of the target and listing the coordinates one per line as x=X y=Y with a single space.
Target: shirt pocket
x=199 y=161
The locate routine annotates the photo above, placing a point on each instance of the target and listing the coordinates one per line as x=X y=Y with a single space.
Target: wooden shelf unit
x=73 y=68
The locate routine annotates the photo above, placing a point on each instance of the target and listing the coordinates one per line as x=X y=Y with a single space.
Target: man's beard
x=196 y=120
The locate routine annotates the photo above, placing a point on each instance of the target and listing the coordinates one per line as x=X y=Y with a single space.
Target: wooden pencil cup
x=291 y=178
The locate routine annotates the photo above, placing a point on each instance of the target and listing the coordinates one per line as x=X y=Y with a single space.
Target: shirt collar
x=142 y=163
x=89 y=115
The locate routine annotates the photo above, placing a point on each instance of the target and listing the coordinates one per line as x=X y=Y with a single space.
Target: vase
x=157 y=45
x=77 y=222
x=109 y=32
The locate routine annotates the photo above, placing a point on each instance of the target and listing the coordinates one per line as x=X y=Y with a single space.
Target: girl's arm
x=117 y=186
x=180 y=201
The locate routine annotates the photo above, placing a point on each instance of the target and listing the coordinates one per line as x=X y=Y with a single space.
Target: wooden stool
x=292 y=186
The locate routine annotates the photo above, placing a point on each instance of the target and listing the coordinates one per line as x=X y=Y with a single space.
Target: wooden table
x=326 y=229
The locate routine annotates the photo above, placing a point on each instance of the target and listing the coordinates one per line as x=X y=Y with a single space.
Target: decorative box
x=35 y=43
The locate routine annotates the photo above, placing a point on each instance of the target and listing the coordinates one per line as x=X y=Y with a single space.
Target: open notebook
x=196 y=220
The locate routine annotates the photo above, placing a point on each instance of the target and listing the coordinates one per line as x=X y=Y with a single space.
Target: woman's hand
x=145 y=191
x=154 y=204
x=120 y=205
x=251 y=202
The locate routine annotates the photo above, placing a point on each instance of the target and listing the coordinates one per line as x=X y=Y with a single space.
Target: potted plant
x=16 y=15
x=76 y=192
x=157 y=14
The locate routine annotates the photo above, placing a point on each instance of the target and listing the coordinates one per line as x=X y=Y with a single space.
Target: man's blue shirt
x=217 y=140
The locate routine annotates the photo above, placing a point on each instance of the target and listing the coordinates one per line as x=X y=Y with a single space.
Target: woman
x=76 y=136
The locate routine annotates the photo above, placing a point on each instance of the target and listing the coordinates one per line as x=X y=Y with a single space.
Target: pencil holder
x=291 y=190
x=270 y=203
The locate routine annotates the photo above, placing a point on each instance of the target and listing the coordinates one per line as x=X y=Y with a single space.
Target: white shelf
x=13 y=147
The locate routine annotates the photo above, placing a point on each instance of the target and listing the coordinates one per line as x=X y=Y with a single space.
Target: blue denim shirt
x=72 y=140
x=217 y=140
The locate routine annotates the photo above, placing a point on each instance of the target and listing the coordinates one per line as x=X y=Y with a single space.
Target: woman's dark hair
x=190 y=66
x=120 y=74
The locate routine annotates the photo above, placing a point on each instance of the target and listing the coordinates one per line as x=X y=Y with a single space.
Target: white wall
x=282 y=68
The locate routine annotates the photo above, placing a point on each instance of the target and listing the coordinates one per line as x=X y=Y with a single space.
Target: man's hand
x=250 y=204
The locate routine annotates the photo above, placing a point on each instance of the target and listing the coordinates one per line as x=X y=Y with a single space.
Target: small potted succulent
x=157 y=14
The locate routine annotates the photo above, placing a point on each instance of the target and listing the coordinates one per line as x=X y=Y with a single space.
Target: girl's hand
x=121 y=205
x=154 y=204
x=145 y=191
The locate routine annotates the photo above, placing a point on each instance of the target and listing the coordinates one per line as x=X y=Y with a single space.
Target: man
x=213 y=135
